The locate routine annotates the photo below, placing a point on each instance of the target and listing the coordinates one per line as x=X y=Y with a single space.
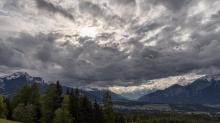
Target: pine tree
x=72 y=103
x=16 y=99
x=86 y=113
x=108 y=108
x=80 y=111
x=35 y=99
x=121 y=119
x=97 y=111
x=8 y=107
x=68 y=91
x=35 y=96
x=3 y=108
x=26 y=94
x=49 y=103
x=62 y=115
x=59 y=91
x=76 y=113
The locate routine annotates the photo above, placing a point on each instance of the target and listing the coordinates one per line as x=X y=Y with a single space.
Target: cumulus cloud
x=137 y=41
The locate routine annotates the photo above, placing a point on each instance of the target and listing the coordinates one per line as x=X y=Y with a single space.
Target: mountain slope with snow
x=8 y=84
x=205 y=90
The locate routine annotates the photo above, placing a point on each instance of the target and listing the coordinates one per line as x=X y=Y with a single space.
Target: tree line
x=28 y=106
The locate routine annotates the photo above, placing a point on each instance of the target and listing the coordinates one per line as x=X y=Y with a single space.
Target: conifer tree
x=49 y=103
x=68 y=91
x=76 y=113
x=26 y=94
x=86 y=113
x=108 y=108
x=35 y=96
x=3 y=108
x=35 y=99
x=121 y=119
x=62 y=115
x=72 y=103
x=97 y=111
x=16 y=99
x=59 y=91
x=80 y=111
x=8 y=107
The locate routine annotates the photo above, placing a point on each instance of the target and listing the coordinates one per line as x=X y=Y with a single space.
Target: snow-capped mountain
x=205 y=90
x=211 y=77
x=8 y=85
x=6 y=80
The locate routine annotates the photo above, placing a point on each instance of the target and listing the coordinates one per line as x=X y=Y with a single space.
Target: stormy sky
x=111 y=43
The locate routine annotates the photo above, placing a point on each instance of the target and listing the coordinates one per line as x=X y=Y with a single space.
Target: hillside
x=205 y=90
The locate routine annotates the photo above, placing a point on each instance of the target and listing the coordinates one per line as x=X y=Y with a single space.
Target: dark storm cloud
x=26 y=42
x=170 y=44
x=174 y=5
x=42 y=4
x=9 y=57
x=90 y=63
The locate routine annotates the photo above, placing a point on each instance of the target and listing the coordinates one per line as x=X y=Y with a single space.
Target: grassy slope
x=7 y=121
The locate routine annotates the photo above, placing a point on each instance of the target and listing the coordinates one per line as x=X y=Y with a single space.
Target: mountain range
x=8 y=85
x=205 y=90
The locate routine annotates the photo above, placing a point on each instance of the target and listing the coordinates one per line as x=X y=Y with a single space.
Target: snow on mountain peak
x=211 y=77
x=17 y=75
x=23 y=75
x=20 y=74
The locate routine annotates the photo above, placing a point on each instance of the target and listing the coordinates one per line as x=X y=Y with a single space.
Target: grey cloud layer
x=42 y=4
x=168 y=43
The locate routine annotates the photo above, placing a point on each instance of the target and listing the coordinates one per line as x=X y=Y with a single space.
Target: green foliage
x=3 y=108
x=62 y=114
x=98 y=113
x=59 y=91
x=72 y=103
x=86 y=113
x=26 y=94
x=35 y=94
x=16 y=99
x=76 y=109
x=8 y=107
x=170 y=118
x=68 y=91
x=48 y=103
x=108 y=108
x=121 y=119
x=25 y=114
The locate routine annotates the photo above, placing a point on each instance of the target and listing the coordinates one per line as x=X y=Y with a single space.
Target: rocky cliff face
x=205 y=90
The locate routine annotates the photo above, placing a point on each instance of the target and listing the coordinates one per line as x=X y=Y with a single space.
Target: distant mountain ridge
x=205 y=90
x=8 y=84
